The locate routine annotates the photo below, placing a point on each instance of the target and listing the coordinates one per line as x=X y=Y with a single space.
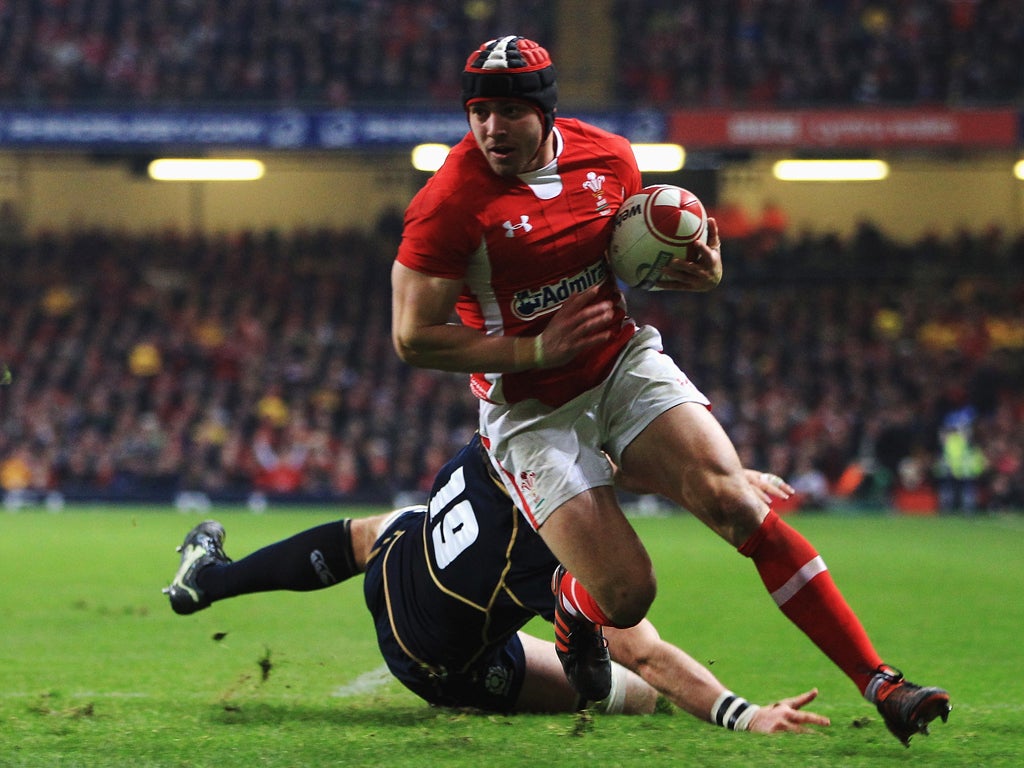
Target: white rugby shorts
x=545 y=455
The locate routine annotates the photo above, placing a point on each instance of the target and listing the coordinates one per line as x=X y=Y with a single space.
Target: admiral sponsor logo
x=548 y=298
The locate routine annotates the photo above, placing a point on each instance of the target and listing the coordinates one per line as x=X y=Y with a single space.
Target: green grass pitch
x=95 y=669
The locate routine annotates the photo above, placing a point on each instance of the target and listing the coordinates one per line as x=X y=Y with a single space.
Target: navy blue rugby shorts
x=492 y=682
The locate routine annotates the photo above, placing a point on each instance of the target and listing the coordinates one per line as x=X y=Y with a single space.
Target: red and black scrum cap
x=512 y=68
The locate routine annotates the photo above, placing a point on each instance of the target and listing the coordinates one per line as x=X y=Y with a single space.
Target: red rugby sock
x=575 y=599
x=802 y=587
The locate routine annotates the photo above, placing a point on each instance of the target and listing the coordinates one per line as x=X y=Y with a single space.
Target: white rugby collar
x=545 y=182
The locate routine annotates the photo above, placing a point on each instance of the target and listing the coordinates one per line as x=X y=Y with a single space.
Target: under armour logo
x=524 y=224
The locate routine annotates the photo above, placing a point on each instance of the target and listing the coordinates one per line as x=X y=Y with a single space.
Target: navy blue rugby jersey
x=463 y=576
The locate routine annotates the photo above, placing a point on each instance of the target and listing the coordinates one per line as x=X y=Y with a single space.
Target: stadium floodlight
x=830 y=170
x=1018 y=170
x=662 y=158
x=659 y=158
x=429 y=157
x=205 y=169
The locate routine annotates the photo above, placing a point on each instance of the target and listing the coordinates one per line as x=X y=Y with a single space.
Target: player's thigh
x=591 y=537
x=678 y=448
x=686 y=456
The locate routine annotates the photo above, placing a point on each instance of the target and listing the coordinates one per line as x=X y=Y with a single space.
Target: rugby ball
x=651 y=228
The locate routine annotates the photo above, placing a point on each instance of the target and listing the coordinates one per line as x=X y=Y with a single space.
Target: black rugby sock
x=313 y=559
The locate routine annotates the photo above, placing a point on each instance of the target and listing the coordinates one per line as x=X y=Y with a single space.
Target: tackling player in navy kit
x=450 y=585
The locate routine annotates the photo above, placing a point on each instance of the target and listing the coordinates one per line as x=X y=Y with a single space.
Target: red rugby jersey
x=523 y=245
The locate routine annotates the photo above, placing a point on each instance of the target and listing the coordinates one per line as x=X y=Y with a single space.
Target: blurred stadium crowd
x=330 y=52
x=159 y=367
x=799 y=52
x=258 y=364
x=339 y=52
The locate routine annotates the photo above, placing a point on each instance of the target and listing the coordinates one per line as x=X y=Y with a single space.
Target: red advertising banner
x=838 y=129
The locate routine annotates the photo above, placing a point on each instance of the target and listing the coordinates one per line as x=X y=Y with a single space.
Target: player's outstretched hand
x=701 y=270
x=788 y=716
x=769 y=486
x=582 y=322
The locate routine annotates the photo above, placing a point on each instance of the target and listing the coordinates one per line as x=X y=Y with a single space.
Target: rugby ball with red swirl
x=651 y=228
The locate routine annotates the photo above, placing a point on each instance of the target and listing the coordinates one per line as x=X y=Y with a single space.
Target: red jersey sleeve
x=441 y=231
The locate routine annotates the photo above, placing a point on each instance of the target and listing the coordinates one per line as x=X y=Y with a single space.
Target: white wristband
x=733 y=712
x=538 y=351
x=747 y=717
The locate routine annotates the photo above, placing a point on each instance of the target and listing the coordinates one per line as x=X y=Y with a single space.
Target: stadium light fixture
x=659 y=158
x=830 y=170
x=650 y=157
x=205 y=169
x=1018 y=170
x=429 y=157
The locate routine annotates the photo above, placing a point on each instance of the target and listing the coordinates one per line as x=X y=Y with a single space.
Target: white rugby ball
x=651 y=228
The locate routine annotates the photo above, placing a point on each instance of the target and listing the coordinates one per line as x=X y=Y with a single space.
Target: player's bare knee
x=745 y=526
x=629 y=603
x=741 y=521
x=731 y=509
